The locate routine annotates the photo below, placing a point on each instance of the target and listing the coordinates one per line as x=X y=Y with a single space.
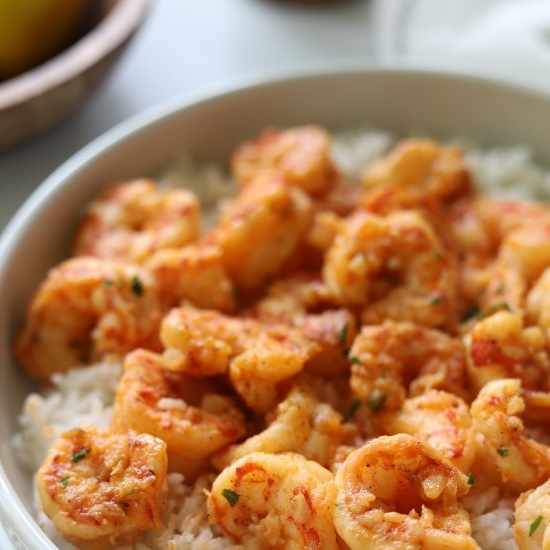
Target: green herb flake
x=78 y=456
x=376 y=401
x=435 y=299
x=503 y=452
x=472 y=313
x=499 y=306
x=64 y=481
x=231 y=496
x=535 y=525
x=500 y=289
x=438 y=255
x=108 y=282
x=353 y=409
x=471 y=479
x=343 y=336
x=338 y=505
x=137 y=286
x=354 y=360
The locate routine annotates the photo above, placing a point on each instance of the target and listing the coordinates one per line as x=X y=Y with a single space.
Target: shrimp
x=102 y=489
x=190 y=415
x=131 y=220
x=538 y=302
x=302 y=154
x=394 y=267
x=438 y=418
x=500 y=346
x=415 y=173
x=522 y=462
x=301 y=424
x=386 y=358
x=88 y=309
x=275 y=501
x=532 y=517
x=194 y=274
x=395 y=492
x=261 y=229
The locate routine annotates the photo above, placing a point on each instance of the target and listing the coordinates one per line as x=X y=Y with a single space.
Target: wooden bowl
x=40 y=97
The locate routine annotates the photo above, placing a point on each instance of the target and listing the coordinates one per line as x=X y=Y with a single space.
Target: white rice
x=84 y=397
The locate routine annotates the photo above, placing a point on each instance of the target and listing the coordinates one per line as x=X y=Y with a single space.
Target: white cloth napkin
x=509 y=38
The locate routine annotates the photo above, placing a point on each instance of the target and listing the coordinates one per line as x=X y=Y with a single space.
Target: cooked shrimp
x=522 y=462
x=301 y=424
x=395 y=267
x=395 y=492
x=538 y=302
x=302 y=154
x=102 y=489
x=194 y=273
x=190 y=415
x=500 y=346
x=88 y=309
x=394 y=359
x=261 y=229
x=275 y=501
x=438 y=418
x=132 y=220
x=415 y=173
x=532 y=517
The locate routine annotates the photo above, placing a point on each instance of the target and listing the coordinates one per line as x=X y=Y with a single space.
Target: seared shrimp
x=302 y=155
x=538 y=302
x=415 y=173
x=500 y=346
x=301 y=424
x=132 y=220
x=102 y=489
x=522 y=462
x=438 y=418
x=532 y=517
x=261 y=229
x=394 y=492
x=394 y=267
x=194 y=273
x=188 y=414
x=275 y=501
x=386 y=358
x=88 y=309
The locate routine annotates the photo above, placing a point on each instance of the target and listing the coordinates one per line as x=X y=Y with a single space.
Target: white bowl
x=209 y=126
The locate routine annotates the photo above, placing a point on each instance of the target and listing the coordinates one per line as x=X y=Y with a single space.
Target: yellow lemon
x=32 y=31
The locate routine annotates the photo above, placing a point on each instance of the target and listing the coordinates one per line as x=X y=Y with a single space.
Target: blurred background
x=183 y=47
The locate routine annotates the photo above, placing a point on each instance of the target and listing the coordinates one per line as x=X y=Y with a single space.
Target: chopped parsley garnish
x=343 y=336
x=137 y=286
x=354 y=360
x=78 y=456
x=64 y=481
x=435 y=299
x=472 y=313
x=231 y=496
x=471 y=479
x=338 y=505
x=376 y=401
x=502 y=452
x=499 y=306
x=353 y=409
x=535 y=525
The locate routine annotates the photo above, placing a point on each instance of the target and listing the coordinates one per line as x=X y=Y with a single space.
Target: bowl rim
x=17 y=520
x=120 y=22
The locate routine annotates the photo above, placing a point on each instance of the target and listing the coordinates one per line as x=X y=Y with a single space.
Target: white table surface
x=186 y=45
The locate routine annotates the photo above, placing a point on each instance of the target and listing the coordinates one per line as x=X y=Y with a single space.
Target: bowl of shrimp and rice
x=188 y=158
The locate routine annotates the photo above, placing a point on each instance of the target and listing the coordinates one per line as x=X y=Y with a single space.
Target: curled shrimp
x=500 y=346
x=395 y=492
x=302 y=154
x=102 y=489
x=261 y=229
x=194 y=274
x=190 y=415
x=538 y=302
x=392 y=360
x=300 y=424
x=275 y=501
x=131 y=220
x=394 y=267
x=438 y=418
x=532 y=517
x=88 y=309
x=415 y=173
x=521 y=462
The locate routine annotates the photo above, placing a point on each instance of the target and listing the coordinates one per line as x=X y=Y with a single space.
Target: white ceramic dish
x=209 y=126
